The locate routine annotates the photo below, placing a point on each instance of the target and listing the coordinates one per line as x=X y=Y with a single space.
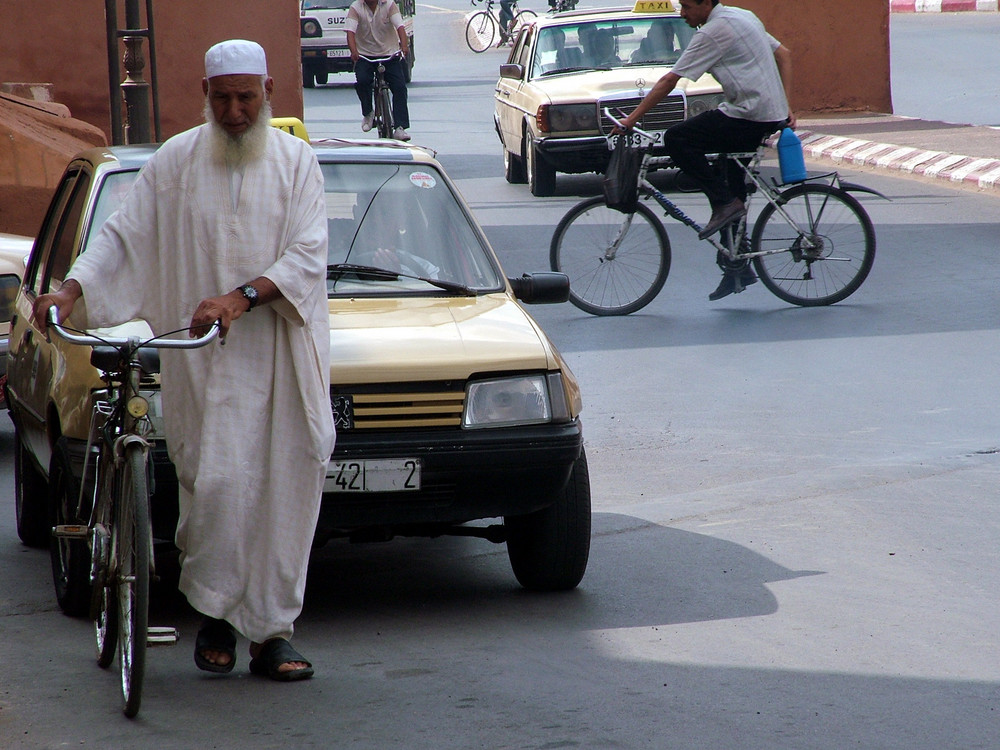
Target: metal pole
x=134 y=89
x=114 y=74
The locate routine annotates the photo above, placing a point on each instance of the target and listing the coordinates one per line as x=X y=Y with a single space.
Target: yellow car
x=565 y=69
x=451 y=405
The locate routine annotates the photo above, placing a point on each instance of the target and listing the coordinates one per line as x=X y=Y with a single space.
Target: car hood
x=420 y=339
x=618 y=82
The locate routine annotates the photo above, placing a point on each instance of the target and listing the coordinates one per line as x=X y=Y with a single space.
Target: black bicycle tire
x=834 y=286
x=384 y=113
x=472 y=32
x=133 y=561
x=584 y=277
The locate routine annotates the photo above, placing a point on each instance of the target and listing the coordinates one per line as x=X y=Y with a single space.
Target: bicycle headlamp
x=138 y=407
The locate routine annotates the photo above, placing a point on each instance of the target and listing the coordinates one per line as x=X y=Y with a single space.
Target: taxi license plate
x=338 y=53
x=374 y=475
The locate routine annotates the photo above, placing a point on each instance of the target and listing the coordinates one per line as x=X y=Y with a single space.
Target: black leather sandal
x=273 y=654
x=215 y=635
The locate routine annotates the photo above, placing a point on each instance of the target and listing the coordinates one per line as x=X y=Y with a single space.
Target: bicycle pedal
x=162 y=636
x=70 y=531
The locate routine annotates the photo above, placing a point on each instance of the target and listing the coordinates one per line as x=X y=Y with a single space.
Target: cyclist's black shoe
x=721 y=216
x=731 y=280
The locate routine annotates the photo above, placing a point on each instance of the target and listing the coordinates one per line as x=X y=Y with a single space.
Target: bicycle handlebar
x=639 y=131
x=154 y=343
x=374 y=60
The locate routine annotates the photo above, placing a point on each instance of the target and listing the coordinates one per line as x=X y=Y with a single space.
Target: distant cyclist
x=375 y=29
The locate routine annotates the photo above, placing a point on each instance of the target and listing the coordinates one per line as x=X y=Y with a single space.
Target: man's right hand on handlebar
x=63 y=300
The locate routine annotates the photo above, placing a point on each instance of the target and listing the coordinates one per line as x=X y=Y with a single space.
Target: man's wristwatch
x=251 y=295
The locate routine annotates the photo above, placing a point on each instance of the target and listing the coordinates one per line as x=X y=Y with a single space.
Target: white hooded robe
x=249 y=426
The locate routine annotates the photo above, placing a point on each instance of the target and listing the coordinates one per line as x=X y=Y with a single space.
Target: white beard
x=238 y=150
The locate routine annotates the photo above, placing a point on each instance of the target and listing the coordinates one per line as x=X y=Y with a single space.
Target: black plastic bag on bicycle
x=621 y=180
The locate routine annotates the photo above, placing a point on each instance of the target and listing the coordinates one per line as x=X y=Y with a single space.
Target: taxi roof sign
x=653 y=6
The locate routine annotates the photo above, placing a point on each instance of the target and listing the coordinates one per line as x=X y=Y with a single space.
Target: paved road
x=946 y=66
x=795 y=526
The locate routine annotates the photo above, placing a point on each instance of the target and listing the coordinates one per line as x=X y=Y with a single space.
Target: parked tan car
x=451 y=405
x=565 y=69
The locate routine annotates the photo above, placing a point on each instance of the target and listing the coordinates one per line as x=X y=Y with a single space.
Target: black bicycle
x=382 y=122
x=109 y=512
x=812 y=243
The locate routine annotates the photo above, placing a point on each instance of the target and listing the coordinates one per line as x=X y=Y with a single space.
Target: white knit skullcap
x=235 y=57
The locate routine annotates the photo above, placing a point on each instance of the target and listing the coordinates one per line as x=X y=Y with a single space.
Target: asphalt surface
x=963 y=155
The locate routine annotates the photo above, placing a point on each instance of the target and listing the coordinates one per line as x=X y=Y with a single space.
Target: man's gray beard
x=239 y=150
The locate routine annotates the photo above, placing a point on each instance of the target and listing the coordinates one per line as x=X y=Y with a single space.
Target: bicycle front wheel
x=616 y=263
x=480 y=31
x=827 y=258
x=383 y=115
x=132 y=561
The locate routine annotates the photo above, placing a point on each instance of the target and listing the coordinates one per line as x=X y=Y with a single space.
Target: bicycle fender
x=853 y=187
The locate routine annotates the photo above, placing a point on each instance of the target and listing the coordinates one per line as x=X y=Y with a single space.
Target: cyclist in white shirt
x=375 y=29
x=754 y=70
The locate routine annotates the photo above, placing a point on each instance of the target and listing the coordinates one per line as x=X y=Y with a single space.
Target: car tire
x=541 y=174
x=549 y=549
x=513 y=168
x=30 y=494
x=322 y=78
x=70 y=557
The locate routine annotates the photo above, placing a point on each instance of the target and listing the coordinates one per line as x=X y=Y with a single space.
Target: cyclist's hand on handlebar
x=224 y=309
x=63 y=300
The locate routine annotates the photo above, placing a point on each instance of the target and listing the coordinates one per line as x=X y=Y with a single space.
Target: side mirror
x=511 y=70
x=543 y=288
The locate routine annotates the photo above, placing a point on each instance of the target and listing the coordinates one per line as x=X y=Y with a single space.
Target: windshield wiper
x=337 y=270
x=570 y=70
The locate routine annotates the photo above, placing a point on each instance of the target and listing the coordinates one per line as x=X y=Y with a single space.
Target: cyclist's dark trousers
x=710 y=133
x=395 y=76
x=506 y=14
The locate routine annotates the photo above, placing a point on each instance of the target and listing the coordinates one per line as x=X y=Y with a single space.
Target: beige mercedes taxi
x=565 y=69
x=455 y=414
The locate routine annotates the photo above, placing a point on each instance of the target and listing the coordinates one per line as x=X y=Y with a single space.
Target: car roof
x=598 y=14
x=327 y=150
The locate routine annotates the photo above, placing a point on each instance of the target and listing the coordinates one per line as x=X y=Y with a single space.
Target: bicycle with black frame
x=812 y=243
x=110 y=513
x=382 y=119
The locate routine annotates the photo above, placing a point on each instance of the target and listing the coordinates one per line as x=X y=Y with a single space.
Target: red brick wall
x=840 y=51
x=65 y=44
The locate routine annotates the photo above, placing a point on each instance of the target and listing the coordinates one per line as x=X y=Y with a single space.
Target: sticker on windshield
x=422 y=179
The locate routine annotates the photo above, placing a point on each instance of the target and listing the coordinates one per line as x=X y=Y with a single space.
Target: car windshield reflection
x=601 y=45
x=403 y=223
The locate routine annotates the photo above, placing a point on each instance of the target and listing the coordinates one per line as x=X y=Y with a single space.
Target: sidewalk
x=964 y=155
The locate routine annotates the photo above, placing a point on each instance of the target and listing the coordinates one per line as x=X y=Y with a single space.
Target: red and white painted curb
x=969 y=171
x=941 y=6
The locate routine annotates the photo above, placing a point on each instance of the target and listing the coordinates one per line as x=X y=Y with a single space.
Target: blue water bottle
x=790 y=158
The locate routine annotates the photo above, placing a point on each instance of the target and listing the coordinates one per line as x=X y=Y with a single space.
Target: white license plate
x=374 y=475
x=338 y=53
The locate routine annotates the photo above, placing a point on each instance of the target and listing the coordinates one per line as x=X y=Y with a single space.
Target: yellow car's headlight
x=504 y=402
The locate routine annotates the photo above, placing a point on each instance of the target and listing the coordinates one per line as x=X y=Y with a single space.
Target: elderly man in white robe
x=227 y=222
